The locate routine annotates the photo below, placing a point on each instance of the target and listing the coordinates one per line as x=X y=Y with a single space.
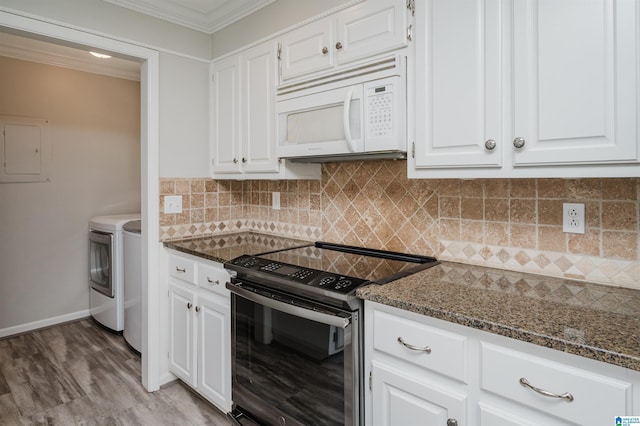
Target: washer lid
x=133 y=226
x=113 y=222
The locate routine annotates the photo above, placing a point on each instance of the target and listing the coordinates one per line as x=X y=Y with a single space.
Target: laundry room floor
x=77 y=373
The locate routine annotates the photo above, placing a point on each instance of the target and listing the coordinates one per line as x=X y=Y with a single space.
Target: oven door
x=294 y=362
x=101 y=262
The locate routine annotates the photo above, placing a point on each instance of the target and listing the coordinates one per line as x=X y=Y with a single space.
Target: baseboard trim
x=47 y=322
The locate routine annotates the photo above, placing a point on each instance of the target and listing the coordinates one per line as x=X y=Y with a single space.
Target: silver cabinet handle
x=325 y=50
x=197 y=308
x=452 y=422
x=426 y=349
x=235 y=161
x=189 y=305
x=518 y=142
x=524 y=382
x=210 y=281
x=410 y=32
x=490 y=145
x=244 y=160
x=181 y=270
x=338 y=45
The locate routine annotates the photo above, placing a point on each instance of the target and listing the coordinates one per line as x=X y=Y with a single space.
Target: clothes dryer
x=106 y=270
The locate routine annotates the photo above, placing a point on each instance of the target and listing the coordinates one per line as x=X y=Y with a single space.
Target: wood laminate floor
x=79 y=374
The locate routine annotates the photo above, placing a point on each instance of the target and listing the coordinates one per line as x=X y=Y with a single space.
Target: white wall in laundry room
x=95 y=170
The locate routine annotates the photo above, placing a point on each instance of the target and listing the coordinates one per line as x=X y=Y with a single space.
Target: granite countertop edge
x=401 y=301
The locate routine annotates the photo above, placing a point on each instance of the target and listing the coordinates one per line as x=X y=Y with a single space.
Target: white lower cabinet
x=482 y=379
x=200 y=328
x=403 y=399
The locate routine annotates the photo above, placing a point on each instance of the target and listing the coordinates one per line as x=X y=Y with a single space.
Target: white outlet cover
x=573 y=218
x=172 y=204
x=275 y=200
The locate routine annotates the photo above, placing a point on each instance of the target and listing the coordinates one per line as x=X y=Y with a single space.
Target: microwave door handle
x=345 y=119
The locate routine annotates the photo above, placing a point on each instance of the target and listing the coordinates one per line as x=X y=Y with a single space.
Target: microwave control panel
x=380 y=111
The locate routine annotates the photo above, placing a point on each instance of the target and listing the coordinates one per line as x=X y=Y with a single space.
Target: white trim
x=150 y=178
x=204 y=22
x=47 y=322
x=93 y=34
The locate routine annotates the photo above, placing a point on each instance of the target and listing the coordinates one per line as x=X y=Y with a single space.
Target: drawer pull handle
x=216 y=282
x=181 y=270
x=524 y=382
x=189 y=305
x=426 y=349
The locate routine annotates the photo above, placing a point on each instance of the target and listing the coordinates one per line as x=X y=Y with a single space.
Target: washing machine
x=132 y=233
x=106 y=270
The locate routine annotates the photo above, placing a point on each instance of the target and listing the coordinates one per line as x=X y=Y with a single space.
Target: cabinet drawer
x=182 y=268
x=596 y=399
x=448 y=351
x=214 y=278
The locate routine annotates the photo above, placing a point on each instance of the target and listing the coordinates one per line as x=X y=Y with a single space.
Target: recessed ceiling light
x=100 y=55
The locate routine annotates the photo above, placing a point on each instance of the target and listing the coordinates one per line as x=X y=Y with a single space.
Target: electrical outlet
x=172 y=204
x=573 y=218
x=275 y=200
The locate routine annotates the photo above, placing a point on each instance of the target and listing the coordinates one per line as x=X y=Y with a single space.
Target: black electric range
x=326 y=272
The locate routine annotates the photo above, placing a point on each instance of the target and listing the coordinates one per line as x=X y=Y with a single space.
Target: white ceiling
x=207 y=16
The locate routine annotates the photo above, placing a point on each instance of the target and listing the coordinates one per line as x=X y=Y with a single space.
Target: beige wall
x=513 y=224
x=95 y=170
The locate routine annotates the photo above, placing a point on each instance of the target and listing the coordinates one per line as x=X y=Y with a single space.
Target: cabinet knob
x=189 y=305
x=197 y=308
x=490 y=145
x=518 y=142
x=338 y=45
x=325 y=50
x=452 y=422
x=244 y=160
x=235 y=161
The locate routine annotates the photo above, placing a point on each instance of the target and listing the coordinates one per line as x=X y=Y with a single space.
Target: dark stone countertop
x=224 y=247
x=595 y=321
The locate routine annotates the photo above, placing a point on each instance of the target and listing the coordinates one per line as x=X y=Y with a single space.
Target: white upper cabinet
x=225 y=116
x=367 y=29
x=307 y=50
x=458 y=83
x=575 y=86
x=258 y=109
x=243 y=118
x=526 y=88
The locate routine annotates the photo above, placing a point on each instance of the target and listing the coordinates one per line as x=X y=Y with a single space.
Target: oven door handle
x=298 y=311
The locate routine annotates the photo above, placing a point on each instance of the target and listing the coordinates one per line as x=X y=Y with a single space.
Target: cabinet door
x=182 y=353
x=225 y=116
x=214 y=350
x=258 y=109
x=371 y=28
x=308 y=49
x=458 y=84
x=399 y=399
x=575 y=81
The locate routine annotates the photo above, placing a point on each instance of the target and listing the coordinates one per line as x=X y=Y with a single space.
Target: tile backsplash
x=511 y=224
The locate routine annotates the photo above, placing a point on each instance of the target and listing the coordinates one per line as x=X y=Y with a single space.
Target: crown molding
x=207 y=17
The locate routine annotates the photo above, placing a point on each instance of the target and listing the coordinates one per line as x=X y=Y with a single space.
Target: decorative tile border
x=562 y=265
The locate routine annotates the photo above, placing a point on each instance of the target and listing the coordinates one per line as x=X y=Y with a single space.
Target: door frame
x=149 y=169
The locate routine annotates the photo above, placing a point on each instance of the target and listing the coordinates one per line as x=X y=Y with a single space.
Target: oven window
x=290 y=363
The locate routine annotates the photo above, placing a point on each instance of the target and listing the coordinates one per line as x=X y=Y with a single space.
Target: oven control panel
x=253 y=265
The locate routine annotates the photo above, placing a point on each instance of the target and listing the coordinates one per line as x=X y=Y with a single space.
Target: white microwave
x=355 y=118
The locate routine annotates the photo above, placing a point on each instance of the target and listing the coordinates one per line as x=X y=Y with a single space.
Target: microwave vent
x=367 y=71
